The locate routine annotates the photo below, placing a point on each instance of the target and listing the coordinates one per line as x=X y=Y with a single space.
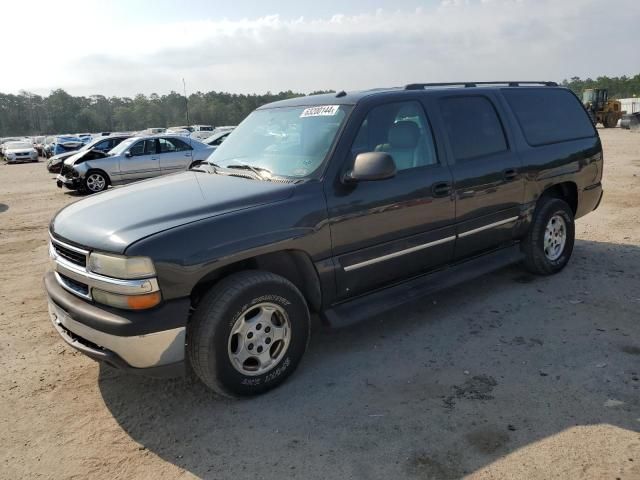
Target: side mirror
x=371 y=166
x=128 y=154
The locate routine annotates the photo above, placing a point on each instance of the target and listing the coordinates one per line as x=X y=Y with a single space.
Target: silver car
x=15 y=152
x=134 y=159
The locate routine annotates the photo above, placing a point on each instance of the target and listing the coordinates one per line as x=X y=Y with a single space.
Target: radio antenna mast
x=186 y=100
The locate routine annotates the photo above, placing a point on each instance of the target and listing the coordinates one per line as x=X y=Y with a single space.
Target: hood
x=19 y=150
x=80 y=156
x=113 y=220
x=62 y=156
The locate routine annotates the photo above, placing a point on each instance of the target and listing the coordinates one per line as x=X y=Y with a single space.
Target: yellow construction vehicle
x=602 y=110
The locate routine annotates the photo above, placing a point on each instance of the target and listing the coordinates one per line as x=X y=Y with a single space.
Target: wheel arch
x=99 y=170
x=294 y=265
x=567 y=191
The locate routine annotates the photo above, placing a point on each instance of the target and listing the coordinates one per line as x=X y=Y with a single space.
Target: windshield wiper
x=256 y=170
x=205 y=167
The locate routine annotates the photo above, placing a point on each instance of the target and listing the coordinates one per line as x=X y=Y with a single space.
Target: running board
x=381 y=301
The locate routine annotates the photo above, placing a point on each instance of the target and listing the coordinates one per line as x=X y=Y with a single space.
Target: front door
x=142 y=163
x=385 y=231
x=486 y=169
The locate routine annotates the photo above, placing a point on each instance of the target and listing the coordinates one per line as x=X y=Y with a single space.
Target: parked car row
x=92 y=162
x=93 y=169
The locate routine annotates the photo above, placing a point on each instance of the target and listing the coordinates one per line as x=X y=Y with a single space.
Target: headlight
x=117 y=266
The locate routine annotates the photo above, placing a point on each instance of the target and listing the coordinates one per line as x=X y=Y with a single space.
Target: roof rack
x=421 y=86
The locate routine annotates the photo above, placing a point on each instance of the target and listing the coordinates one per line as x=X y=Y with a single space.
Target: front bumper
x=70 y=183
x=589 y=199
x=121 y=339
x=54 y=167
x=20 y=159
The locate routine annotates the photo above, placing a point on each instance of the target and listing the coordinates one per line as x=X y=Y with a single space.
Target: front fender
x=186 y=254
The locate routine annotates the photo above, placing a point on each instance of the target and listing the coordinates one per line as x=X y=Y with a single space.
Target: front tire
x=549 y=242
x=95 y=182
x=248 y=334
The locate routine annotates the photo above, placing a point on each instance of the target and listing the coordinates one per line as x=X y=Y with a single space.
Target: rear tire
x=248 y=334
x=549 y=242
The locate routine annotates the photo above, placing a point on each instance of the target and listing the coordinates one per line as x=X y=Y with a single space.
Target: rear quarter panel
x=578 y=161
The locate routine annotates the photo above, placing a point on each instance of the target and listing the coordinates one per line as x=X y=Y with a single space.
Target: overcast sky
x=128 y=47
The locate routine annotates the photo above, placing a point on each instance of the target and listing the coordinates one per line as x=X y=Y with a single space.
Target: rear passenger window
x=400 y=129
x=548 y=115
x=473 y=127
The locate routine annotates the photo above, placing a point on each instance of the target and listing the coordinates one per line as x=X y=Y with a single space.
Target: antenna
x=186 y=101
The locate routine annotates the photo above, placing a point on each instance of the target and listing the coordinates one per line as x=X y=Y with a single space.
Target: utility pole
x=186 y=100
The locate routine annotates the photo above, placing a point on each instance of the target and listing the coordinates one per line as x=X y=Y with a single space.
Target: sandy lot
x=513 y=376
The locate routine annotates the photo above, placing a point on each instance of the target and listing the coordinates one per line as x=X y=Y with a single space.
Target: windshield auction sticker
x=321 y=111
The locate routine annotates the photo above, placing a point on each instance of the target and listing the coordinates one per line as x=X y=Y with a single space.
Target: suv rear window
x=548 y=115
x=473 y=127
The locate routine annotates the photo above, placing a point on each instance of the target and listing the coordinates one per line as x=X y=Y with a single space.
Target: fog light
x=127 y=302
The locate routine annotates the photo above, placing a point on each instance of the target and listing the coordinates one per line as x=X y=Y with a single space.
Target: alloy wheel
x=259 y=339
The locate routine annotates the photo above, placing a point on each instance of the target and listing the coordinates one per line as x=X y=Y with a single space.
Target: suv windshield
x=288 y=142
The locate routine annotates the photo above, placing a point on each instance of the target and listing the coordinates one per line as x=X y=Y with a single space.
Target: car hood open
x=113 y=220
x=61 y=157
x=80 y=156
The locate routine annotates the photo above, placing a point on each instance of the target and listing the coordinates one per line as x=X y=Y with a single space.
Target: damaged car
x=64 y=144
x=134 y=159
x=103 y=144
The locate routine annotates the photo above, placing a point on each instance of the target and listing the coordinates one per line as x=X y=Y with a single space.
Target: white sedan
x=15 y=152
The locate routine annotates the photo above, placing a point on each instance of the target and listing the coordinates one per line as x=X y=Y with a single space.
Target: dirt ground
x=513 y=376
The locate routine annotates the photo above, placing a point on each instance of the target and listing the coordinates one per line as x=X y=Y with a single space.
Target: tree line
x=60 y=112
x=619 y=87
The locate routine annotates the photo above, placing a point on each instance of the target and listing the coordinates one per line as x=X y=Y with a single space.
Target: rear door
x=144 y=162
x=386 y=231
x=488 y=181
x=175 y=155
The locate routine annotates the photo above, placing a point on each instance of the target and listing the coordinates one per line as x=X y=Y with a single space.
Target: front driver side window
x=143 y=147
x=400 y=129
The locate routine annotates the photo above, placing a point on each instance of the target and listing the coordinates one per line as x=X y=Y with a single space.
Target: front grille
x=71 y=255
x=77 y=287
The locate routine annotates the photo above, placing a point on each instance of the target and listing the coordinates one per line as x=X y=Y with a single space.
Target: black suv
x=342 y=204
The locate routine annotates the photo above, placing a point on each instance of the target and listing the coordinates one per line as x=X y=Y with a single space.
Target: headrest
x=404 y=134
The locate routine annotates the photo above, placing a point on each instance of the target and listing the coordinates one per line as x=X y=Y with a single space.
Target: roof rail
x=421 y=86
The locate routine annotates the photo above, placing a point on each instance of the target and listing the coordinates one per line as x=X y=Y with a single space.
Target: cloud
x=452 y=40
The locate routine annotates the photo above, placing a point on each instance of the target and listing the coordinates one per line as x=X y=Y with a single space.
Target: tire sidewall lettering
x=285 y=364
